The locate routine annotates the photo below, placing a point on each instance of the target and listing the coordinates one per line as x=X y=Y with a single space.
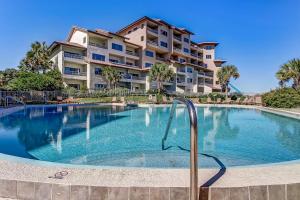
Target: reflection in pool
x=124 y=136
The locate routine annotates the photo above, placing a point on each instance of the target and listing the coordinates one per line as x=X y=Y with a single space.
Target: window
x=186 y=50
x=181 y=60
x=148 y=65
x=142 y=26
x=98 y=71
x=71 y=70
x=117 y=47
x=99 y=86
x=186 y=40
x=142 y=38
x=129 y=32
x=84 y=40
x=135 y=28
x=208 y=47
x=163 y=44
x=98 y=57
x=149 y=53
x=189 y=70
x=163 y=32
x=190 y=80
x=208 y=56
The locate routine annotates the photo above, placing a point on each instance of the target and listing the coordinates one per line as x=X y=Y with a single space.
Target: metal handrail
x=194 y=142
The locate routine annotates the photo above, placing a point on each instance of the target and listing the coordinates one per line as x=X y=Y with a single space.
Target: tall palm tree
x=290 y=71
x=112 y=76
x=225 y=74
x=160 y=72
x=37 y=58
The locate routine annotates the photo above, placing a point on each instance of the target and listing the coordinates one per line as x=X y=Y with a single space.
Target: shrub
x=214 y=96
x=282 y=98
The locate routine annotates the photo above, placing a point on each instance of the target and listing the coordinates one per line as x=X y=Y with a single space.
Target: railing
x=118 y=62
x=75 y=73
x=194 y=142
x=152 y=30
x=130 y=77
x=177 y=49
x=160 y=58
x=177 y=38
x=195 y=55
x=152 y=42
x=73 y=55
x=131 y=53
x=102 y=46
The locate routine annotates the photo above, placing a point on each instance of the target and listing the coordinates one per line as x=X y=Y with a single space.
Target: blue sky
x=257 y=36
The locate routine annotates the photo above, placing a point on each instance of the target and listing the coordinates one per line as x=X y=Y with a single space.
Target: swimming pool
x=131 y=137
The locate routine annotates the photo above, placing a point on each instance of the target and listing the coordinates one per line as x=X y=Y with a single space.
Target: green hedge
x=282 y=98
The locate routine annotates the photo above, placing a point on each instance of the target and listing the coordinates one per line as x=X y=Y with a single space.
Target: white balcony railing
x=132 y=53
x=73 y=55
x=102 y=46
x=152 y=42
x=177 y=49
x=74 y=73
x=177 y=38
x=152 y=30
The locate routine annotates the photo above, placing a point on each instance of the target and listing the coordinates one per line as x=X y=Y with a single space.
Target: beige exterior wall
x=139 y=34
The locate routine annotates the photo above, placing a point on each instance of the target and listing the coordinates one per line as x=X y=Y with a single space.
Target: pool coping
x=14 y=170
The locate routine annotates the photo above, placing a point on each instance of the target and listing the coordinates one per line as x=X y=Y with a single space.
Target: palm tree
x=37 y=58
x=160 y=72
x=112 y=76
x=225 y=74
x=290 y=71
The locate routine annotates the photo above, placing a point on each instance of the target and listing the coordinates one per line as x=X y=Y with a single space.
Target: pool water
x=132 y=137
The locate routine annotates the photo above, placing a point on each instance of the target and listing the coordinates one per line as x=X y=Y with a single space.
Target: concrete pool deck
x=29 y=179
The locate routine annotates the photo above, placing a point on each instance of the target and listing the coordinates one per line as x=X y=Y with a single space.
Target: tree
x=160 y=72
x=26 y=81
x=112 y=76
x=37 y=58
x=7 y=75
x=290 y=71
x=225 y=74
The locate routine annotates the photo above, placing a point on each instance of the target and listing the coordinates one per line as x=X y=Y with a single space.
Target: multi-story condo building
x=133 y=50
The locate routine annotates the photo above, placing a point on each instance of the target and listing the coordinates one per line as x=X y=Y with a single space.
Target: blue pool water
x=131 y=137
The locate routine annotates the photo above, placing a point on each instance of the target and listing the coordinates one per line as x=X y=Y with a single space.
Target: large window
x=117 y=47
x=98 y=71
x=186 y=40
x=181 y=60
x=186 y=50
x=163 y=32
x=149 y=53
x=163 y=44
x=190 y=80
x=71 y=70
x=98 y=57
x=148 y=65
x=99 y=86
x=189 y=70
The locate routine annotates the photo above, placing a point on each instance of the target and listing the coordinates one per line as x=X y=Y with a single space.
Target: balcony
x=161 y=59
x=119 y=62
x=75 y=73
x=177 y=49
x=132 y=53
x=194 y=55
x=155 y=31
x=181 y=71
x=102 y=46
x=151 y=42
x=73 y=55
x=130 y=78
x=178 y=38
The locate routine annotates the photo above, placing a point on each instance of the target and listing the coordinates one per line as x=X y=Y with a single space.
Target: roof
x=220 y=61
x=156 y=21
x=55 y=43
x=208 y=43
